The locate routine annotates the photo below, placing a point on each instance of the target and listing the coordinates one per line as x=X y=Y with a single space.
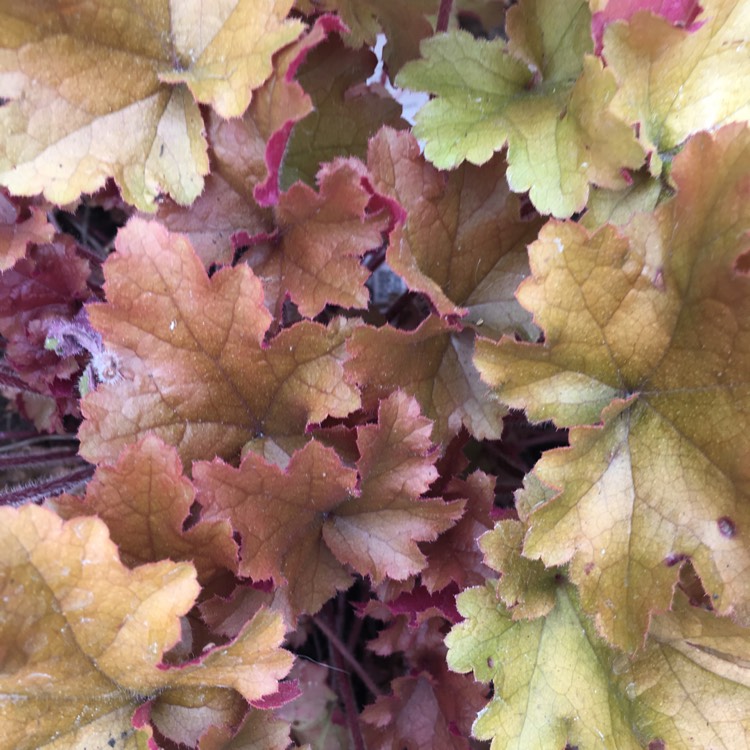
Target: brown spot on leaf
x=726 y=527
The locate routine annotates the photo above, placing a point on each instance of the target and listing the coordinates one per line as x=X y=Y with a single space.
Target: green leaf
x=551 y=677
x=539 y=93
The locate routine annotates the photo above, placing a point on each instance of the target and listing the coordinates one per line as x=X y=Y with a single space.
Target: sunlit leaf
x=83 y=638
x=112 y=90
x=675 y=82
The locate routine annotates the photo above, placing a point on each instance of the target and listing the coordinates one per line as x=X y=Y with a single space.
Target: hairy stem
x=36 y=492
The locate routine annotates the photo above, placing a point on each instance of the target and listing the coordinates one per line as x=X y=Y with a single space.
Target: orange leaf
x=196 y=369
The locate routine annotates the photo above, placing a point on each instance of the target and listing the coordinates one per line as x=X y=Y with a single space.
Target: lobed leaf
x=306 y=525
x=645 y=340
x=556 y=682
x=84 y=638
x=198 y=373
x=432 y=363
x=146 y=501
x=463 y=242
x=347 y=111
x=101 y=90
x=540 y=93
x=675 y=82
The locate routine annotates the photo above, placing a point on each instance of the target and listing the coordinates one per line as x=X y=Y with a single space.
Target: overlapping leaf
x=541 y=93
x=404 y=26
x=674 y=81
x=424 y=712
x=83 y=639
x=432 y=363
x=145 y=501
x=463 y=242
x=556 y=682
x=195 y=368
x=19 y=227
x=111 y=89
x=681 y=13
x=347 y=111
x=305 y=526
x=323 y=237
x=649 y=333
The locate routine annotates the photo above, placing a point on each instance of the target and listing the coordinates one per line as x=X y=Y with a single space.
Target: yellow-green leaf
x=675 y=82
x=647 y=334
x=551 y=677
x=541 y=93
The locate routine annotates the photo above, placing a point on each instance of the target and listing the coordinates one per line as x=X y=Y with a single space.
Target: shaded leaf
x=463 y=242
x=455 y=555
x=20 y=227
x=199 y=374
x=260 y=730
x=424 y=711
x=657 y=367
x=84 y=638
x=311 y=715
x=404 y=26
x=347 y=111
x=432 y=363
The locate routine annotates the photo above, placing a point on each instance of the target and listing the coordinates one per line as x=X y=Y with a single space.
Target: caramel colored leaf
x=19 y=228
x=83 y=637
x=302 y=525
x=145 y=501
x=432 y=363
x=279 y=515
x=378 y=530
x=101 y=90
x=195 y=368
x=540 y=93
x=463 y=242
x=646 y=341
x=324 y=237
x=675 y=82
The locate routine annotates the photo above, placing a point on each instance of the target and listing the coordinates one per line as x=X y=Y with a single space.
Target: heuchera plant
x=322 y=430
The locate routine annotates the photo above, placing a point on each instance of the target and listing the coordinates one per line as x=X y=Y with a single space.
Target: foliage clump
x=322 y=430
